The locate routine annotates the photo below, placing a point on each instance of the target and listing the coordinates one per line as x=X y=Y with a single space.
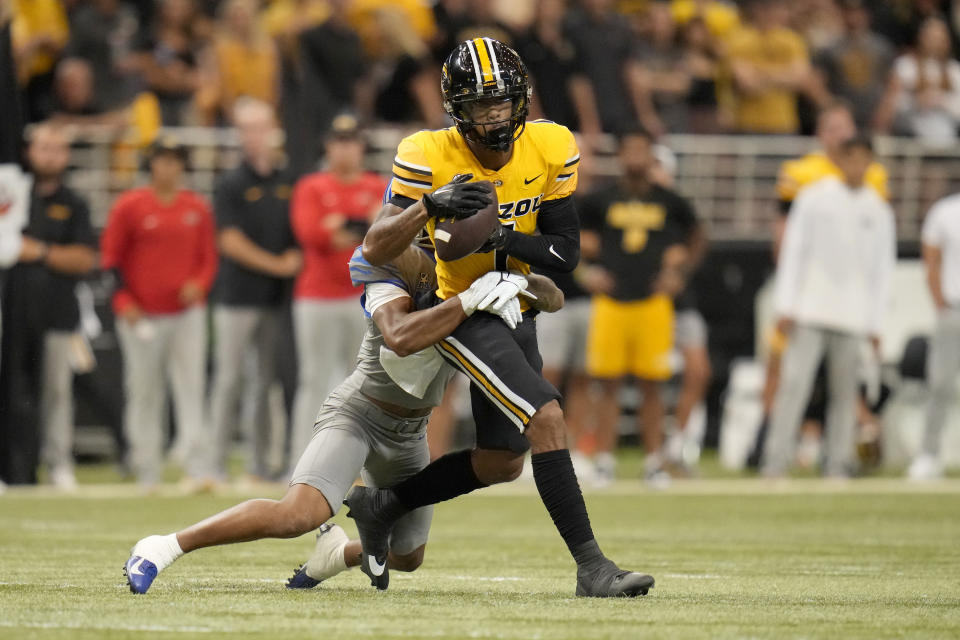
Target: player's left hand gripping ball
x=458 y=199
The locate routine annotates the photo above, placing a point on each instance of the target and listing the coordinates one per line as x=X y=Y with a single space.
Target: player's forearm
x=421 y=329
x=549 y=296
x=392 y=232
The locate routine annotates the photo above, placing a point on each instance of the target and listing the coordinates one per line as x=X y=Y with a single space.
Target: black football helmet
x=481 y=69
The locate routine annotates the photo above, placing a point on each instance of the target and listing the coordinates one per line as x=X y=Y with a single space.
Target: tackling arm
x=406 y=331
x=549 y=296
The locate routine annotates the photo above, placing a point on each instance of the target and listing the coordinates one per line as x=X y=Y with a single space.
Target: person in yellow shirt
x=770 y=65
x=532 y=167
x=835 y=125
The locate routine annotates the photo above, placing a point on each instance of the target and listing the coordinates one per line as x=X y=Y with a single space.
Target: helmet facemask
x=497 y=135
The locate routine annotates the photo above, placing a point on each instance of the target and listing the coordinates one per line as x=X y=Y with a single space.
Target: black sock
x=560 y=493
x=443 y=479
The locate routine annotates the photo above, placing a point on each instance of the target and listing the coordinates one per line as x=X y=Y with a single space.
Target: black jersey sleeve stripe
x=423 y=184
x=572 y=161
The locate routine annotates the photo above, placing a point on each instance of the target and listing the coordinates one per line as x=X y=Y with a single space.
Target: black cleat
x=609 y=581
x=374 y=535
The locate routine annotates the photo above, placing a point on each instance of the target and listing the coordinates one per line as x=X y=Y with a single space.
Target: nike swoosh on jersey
x=525 y=181
x=376 y=568
x=554 y=252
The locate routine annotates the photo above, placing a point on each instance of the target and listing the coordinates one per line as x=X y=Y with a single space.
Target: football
x=455 y=239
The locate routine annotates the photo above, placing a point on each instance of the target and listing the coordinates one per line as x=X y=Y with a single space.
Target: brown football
x=455 y=239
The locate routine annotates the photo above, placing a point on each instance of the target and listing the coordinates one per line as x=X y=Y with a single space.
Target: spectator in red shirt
x=330 y=213
x=159 y=242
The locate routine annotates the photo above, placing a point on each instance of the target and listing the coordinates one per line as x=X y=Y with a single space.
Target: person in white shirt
x=833 y=283
x=940 y=239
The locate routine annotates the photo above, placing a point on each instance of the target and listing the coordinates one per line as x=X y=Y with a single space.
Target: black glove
x=457 y=199
x=496 y=241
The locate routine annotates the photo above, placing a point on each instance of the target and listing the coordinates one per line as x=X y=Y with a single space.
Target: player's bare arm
x=549 y=296
x=406 y=331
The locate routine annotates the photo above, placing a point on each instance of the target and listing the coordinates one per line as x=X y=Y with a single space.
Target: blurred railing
x=730 y=179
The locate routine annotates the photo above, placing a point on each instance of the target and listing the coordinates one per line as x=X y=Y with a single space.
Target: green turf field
x=733 y=558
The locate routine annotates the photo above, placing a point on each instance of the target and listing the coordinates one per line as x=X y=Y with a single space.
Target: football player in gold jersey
x=533 y=167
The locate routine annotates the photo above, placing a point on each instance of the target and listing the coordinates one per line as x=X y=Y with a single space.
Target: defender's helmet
x=481 y=69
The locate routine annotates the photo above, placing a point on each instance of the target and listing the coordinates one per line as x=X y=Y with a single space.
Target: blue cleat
x=140 y=574
x=301 y=580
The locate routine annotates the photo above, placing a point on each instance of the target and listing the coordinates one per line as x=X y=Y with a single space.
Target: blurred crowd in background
x=692 y=66
x=310 y=76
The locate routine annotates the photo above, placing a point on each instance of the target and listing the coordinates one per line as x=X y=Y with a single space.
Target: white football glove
x=509 y=312
x=492 y=291
x=479 y=291
x=502 y=301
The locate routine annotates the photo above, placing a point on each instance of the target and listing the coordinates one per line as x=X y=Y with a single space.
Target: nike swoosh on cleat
x=135 y=569
x=554 y=252
x=525 y=181
x=376 y=568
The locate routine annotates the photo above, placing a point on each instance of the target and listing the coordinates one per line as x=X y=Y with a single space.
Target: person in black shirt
x=258 y=259
x=41 y=317
x=641 y=230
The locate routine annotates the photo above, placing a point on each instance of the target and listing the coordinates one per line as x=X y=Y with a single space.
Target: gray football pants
x=161 y=349
x=354 y=436
x=943 y=364
x=238 y=330
x=328 y=335
x=797 y=374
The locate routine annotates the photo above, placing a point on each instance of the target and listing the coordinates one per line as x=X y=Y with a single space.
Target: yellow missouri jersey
x=813 y=167
x=543 y=168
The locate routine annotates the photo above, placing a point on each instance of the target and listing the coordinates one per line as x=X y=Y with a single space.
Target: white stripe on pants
x=943 y=364
x=56 y=404
x=328 y=335
x=237 y=330
x=175 y=353
x=797 y=374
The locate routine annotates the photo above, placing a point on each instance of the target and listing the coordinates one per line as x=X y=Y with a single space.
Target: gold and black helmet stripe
x=486 y=65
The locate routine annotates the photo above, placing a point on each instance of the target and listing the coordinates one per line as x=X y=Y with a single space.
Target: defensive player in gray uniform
x=374 y=423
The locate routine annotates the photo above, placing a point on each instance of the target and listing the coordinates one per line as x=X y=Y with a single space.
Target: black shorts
x=504 y=367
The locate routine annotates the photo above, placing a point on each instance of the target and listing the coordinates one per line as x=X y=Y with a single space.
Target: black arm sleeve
x=558 y=246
